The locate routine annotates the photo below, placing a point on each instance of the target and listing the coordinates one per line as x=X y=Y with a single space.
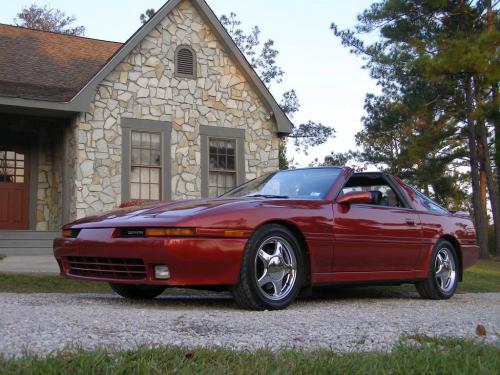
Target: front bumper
x=192 y=261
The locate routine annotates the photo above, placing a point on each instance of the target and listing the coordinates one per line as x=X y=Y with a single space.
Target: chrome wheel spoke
x=265 y=257
x=278 y=286
x=289 y=269
x=278 y=249
x=441 y=272
x=264 y=279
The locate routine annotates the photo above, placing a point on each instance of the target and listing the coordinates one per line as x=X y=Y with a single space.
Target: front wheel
x=272 y=270
x=131 y=291
x=443 y=273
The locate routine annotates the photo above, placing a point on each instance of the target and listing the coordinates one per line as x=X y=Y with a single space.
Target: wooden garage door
x=14 y=188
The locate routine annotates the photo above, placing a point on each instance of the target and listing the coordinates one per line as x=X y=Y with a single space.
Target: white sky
x=329 y=81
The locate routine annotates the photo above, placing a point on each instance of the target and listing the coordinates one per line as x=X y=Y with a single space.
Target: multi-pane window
x=222 y=166
x=11 y=167
x=146 y=168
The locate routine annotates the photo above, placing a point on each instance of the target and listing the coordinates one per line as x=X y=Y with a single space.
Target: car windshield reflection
x=295 y=184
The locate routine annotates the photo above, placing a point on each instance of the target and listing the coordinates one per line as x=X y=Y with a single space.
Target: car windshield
x=311 y=183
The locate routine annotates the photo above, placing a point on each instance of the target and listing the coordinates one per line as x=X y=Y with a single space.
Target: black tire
x=131 y=291
x=283 y=267
x=435 y=287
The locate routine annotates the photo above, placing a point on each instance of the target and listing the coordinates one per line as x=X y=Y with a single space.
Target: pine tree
x=450 y=47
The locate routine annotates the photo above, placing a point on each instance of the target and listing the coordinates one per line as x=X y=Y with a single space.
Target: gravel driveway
x=342 y=321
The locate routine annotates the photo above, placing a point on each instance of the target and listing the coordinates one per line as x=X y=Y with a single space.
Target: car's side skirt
x=322 y=278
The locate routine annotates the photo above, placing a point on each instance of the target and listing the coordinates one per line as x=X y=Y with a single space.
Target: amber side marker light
x=170 y=232
x=235 y=233
x=70 y=233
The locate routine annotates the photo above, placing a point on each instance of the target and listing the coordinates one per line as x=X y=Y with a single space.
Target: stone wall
x=49 y=188
x=144 y=86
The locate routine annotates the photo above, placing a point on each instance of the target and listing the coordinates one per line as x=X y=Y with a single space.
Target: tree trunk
x=481 y=224
x=482 y=178
x=496 y=121
x=490 y=22
x=487 y=178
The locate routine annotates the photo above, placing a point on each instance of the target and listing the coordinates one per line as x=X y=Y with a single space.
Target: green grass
x=428 y=356
x=43 y=283
x=2 y=256
x=482 y=277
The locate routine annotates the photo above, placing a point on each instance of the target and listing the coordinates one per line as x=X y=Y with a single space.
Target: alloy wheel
x=445 y=270
x=275 y=268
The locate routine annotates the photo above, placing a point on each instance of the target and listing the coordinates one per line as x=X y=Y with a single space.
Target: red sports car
x=273 y=236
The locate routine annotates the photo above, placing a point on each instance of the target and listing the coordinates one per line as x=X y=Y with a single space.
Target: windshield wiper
x=266 y=196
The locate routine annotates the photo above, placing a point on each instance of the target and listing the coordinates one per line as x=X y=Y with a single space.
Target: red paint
x=355 y=197
x=14 y=195
x=345 y=242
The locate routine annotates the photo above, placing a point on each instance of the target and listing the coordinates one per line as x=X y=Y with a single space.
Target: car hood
x=168 y=212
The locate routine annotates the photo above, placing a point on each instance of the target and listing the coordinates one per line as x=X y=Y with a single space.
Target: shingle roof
x=50 y=66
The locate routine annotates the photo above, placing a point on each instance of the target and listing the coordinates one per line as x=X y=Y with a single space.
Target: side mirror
x=355 y=197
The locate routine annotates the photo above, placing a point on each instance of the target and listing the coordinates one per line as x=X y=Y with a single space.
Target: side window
x=146 y=166
x=145 y=159
x=383 y=193
x=222 y=159
x=222 y=166
x=430 y=204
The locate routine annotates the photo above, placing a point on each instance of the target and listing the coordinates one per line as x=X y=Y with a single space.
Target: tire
x=272 y=270
x=131 y=291
x=444 y=273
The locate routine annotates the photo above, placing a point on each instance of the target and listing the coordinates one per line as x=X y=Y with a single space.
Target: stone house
x=174 y=112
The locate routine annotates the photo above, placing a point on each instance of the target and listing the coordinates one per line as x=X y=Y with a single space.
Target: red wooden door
x=14 y=188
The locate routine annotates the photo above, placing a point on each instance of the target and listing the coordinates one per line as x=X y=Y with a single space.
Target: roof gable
x=80 y=102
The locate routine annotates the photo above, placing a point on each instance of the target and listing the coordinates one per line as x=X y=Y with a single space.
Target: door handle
x=410 y=221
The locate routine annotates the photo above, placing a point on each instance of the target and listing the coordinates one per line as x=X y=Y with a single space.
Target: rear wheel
x=137 y=291
x=443 y=273
x=272 y=270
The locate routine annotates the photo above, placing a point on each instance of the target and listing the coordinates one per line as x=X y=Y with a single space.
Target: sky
x=330 y=82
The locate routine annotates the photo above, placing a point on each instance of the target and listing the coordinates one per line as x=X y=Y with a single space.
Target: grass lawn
x=482 y=277
x=428 y=356
x=47 y=283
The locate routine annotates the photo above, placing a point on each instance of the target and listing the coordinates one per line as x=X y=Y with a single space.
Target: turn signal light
x=235 y=233
x=70 y=233
x=170 y=232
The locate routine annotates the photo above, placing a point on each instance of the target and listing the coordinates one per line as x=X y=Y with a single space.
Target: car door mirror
x=355 y=197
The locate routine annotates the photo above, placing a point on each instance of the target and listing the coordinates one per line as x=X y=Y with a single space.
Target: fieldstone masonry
x=144 y=86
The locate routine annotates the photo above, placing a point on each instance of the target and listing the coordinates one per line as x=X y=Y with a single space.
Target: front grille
x=112 y=268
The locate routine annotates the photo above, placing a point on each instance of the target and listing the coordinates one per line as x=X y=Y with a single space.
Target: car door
x=382 y=236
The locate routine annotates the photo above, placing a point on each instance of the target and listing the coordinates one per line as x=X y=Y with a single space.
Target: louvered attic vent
x=185 y=62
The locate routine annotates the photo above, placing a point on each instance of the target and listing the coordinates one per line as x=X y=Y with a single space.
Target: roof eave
x=72 y=106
